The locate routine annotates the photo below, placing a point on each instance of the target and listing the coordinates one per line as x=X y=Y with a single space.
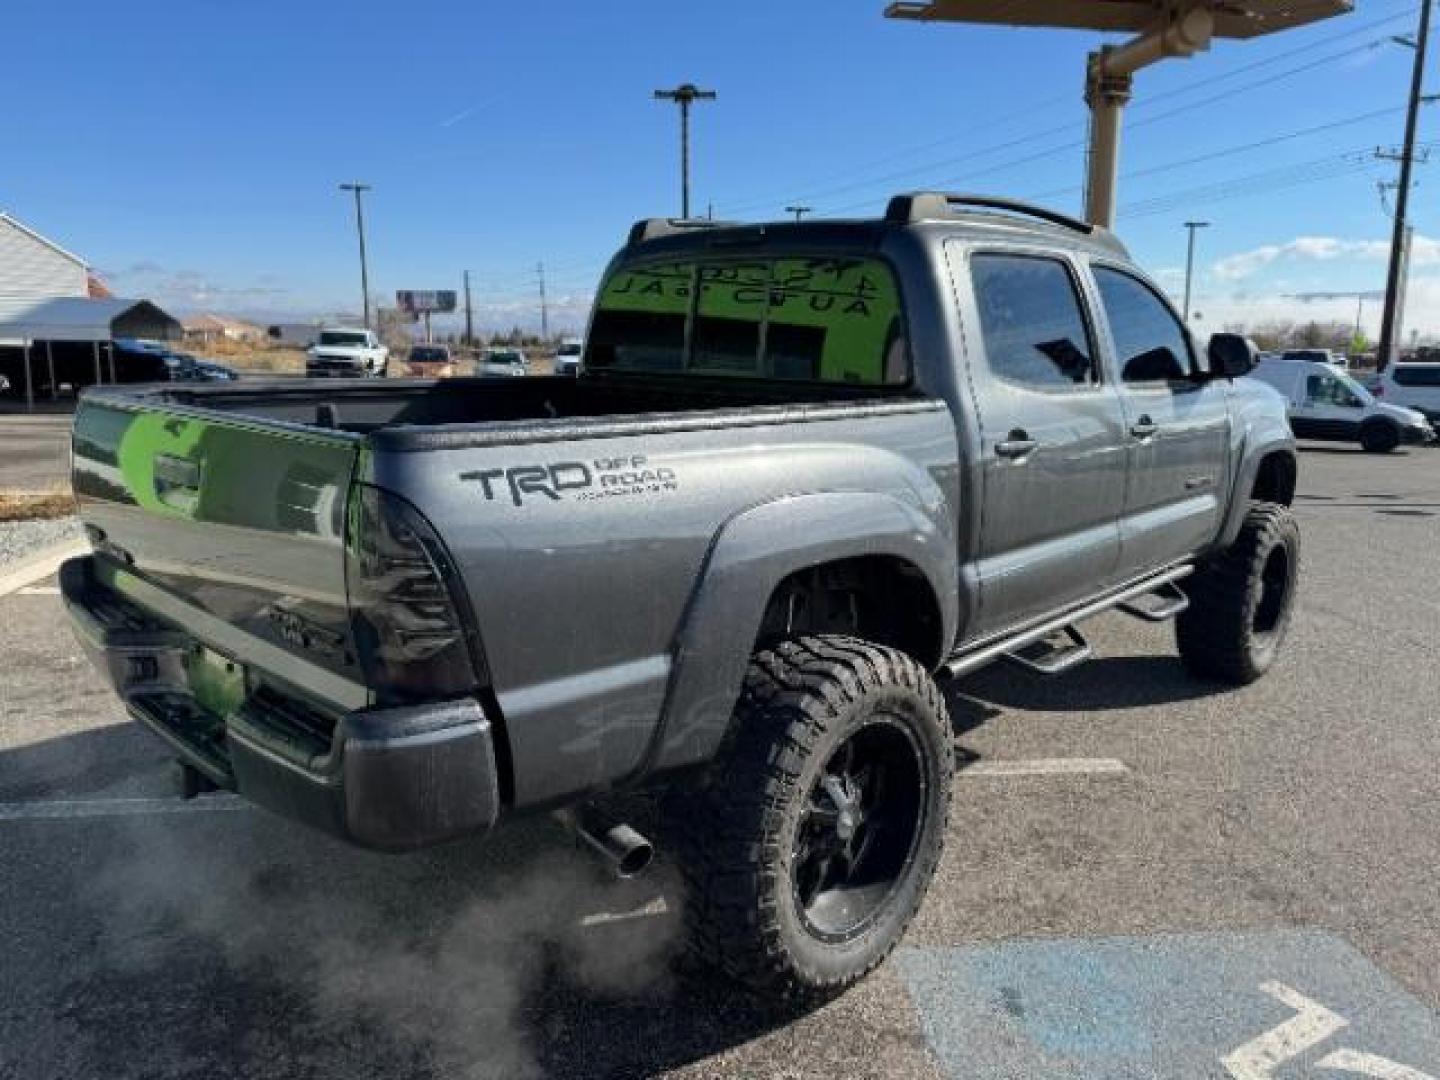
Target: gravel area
x=21 y=539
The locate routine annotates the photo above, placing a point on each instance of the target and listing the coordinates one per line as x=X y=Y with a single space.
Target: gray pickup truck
x=806 y=471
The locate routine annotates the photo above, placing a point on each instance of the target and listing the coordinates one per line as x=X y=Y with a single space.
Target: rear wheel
x=810 y=844
x=1242 y=600
x=1379 y=437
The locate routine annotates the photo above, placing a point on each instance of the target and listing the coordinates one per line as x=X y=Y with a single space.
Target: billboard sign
x=424 y=301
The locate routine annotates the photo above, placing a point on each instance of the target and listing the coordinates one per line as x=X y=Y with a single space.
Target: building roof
x=75 y=318
x=217 y=323
x=5 y=217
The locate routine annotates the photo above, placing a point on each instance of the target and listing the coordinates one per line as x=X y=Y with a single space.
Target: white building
x=58 y=323
x=34 y=267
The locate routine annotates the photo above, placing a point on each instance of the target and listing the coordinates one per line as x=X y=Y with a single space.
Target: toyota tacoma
x=806 y=472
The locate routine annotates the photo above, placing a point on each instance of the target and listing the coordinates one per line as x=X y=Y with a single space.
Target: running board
x=1049 y=657
x=1158 y=606
x=964 y=663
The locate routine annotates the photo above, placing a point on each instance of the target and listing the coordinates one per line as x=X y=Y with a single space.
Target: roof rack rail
x=650 y=228
x=929 y=205
x=923 y=205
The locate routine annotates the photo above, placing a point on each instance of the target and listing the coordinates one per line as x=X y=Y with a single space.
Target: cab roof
x=964 y=211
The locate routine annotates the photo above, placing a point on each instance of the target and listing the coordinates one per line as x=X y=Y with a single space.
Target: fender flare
x=1254 y=450
x=752 y=553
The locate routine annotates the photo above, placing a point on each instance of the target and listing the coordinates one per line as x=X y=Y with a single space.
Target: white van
x=1328 y=403
x=1414 y=386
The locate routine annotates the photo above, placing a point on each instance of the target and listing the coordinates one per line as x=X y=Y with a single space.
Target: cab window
x=1150 y=344
x=1328 y=390
x=809 y=319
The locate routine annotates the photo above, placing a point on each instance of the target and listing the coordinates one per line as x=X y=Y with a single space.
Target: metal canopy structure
x=77 y=318
x=1163 y=28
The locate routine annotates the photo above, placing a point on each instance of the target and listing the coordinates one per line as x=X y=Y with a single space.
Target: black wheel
x=809 y=845
x=1242 y=600
x=1379 y=437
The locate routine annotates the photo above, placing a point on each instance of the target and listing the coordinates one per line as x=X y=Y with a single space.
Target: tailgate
x=242 y=518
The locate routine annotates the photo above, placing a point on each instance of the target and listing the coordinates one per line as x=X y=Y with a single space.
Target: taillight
x=406 y=601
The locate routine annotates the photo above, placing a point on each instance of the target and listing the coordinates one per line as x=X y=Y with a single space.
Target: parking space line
x=38 y=590
x=40 y=566
x=69 y=809
x=990 y=770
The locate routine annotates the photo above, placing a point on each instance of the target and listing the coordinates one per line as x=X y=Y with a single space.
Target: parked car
x=430 y=362
x=1327 y=403
x=501 y=363
x=214 y=371
x=347 y=352
x=567 y=356
x=1413 y=385
x=760 y=531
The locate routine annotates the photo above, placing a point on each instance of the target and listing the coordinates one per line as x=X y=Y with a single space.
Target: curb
x=37 y=567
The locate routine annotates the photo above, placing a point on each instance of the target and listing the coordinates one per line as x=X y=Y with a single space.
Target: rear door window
x=830 y=319
x=1032 y=323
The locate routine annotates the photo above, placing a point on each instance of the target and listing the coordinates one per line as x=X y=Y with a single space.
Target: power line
x=1080 y=143
x=1229 y=151
x=904 y=174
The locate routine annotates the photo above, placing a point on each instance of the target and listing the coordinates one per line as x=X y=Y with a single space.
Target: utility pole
x=469 y=322
x=685 y=95
x=358 y=188
x=1193 y=226
x=1389 y=322
x=798 y=211
x=544 y=307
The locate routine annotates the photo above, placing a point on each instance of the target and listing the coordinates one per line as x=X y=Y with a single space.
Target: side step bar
x=1049 y=657
x=1159 y=605
x=964 y=663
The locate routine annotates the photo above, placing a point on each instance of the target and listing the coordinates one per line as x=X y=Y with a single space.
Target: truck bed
x=363 y=406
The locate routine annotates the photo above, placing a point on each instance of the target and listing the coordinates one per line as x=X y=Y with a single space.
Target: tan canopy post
x=50 y=369
x=95 y=350
x=110 y=352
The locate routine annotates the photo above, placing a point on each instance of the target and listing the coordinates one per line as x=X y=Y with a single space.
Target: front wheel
x=809 y=846
x=1379 y=437
x=1242 y=600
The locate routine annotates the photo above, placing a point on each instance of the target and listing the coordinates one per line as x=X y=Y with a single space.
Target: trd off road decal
x=600 y=478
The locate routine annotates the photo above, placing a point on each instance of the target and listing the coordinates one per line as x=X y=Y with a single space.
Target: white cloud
x=1425 y=251
x=1250 y=308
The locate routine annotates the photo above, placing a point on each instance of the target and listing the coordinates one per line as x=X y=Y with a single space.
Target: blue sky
x=191 y=151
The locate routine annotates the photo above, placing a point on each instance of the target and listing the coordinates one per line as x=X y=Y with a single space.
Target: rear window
x=426 y=354
x=342 y=337
x=804 y=319
x=1411 y=375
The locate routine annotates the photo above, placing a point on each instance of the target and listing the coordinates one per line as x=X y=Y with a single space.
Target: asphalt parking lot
x=1146 y=876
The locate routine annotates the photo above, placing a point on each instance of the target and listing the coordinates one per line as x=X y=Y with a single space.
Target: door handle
x=1017 y=445
x=1144 y=428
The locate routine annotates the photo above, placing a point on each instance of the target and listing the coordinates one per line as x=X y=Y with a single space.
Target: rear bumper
x=388 y=778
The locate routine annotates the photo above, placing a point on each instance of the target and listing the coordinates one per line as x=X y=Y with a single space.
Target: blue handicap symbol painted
x=1240 y=1006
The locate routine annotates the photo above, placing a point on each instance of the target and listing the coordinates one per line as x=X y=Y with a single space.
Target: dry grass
x=243 y=356
x=53 y=502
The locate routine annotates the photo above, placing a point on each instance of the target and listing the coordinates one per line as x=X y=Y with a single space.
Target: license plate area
x=217 y=682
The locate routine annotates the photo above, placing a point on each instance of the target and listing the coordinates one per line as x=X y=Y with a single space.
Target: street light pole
x=1389 y=328
x=798 y=211
x=1193 y=226
x=685 y=95
x=358 y=188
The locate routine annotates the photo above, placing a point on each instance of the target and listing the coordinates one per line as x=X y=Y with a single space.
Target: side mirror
x=1231 y=356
